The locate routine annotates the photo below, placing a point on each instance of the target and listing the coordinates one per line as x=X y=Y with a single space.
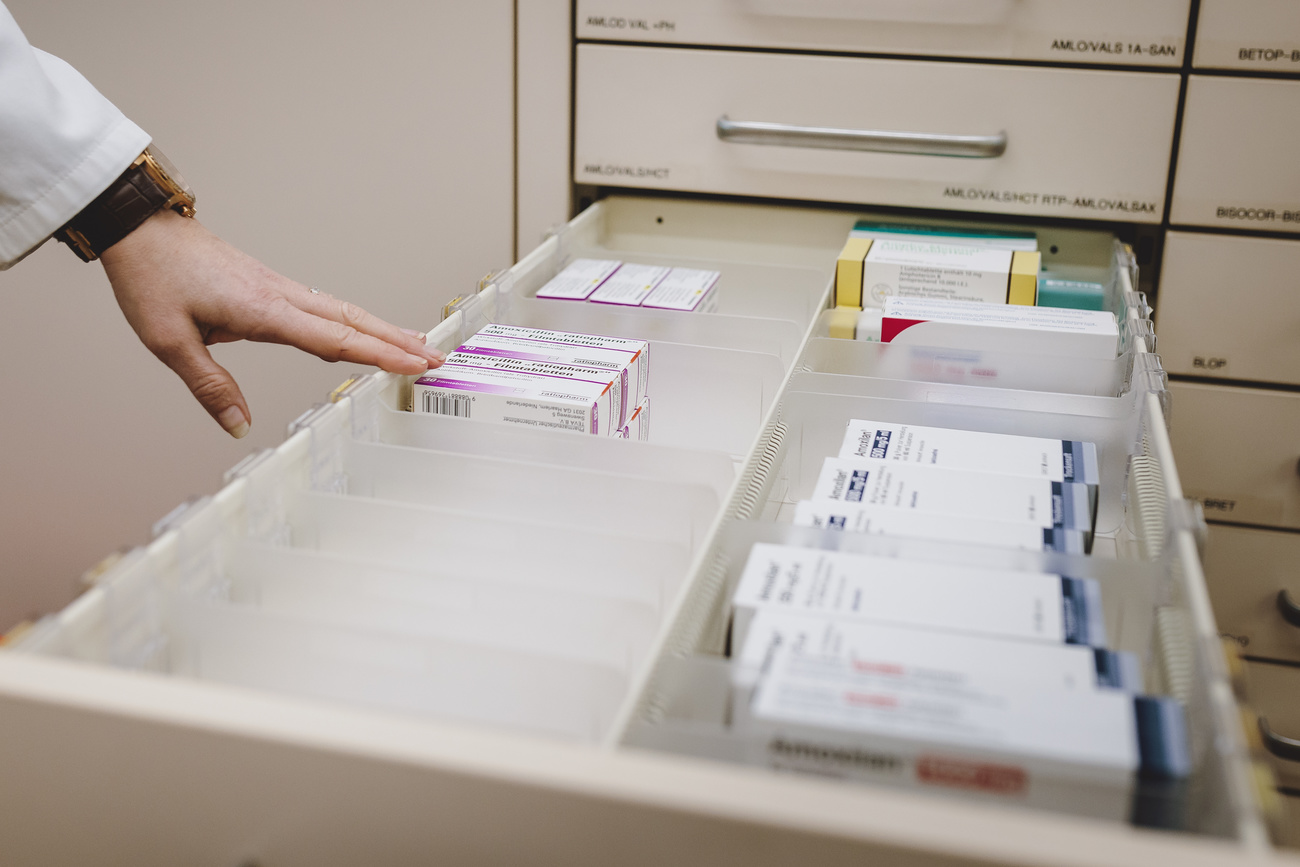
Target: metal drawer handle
x=1287 y=608
x=1283 y=748
x=882 y=141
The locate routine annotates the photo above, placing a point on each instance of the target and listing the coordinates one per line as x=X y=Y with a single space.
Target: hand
x=182 y=289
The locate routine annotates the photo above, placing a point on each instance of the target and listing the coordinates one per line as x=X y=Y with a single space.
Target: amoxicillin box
x=526 y=393
x=883 y=521
x=579 y=279
x=637 y=352
x=1031 y=457
x=612 y=361
x=998 y=602
x=638 y=424
x=962 y=493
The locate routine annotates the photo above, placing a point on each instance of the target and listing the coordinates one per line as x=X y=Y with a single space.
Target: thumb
x=213 y=387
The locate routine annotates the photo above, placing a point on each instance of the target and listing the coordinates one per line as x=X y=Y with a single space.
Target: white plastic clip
x=1187 y=516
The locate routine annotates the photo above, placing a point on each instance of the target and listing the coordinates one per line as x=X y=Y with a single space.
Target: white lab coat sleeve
x=61 y=143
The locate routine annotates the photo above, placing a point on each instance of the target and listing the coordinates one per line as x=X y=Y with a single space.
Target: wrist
x=155 y=229
x=148 y=186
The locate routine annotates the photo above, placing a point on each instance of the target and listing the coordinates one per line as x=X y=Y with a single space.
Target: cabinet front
x=1034 y=141
x=1258 y=35
x=1237 y=452
x=1230 y=307
x=1246 y=569
x=1273 y=691
x=1146 y=32
x=1236 y=164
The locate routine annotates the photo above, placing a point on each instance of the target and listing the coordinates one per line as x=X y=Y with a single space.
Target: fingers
x=338 y=341
x=346 y=313
x=211 y=384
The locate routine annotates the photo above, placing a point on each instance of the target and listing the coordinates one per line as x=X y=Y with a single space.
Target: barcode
x=446 y=404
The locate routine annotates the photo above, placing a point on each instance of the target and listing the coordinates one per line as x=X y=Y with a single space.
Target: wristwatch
x=150 y=184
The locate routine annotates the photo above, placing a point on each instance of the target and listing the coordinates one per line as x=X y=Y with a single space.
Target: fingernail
x=418 y=335
x=438 y=355
x=232 y=419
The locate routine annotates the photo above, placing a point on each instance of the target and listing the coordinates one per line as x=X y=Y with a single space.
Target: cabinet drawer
x=1245 y=569
x=1147 y=32
x=1259 y=35
x=1230 y=306
x=1274 y=693
x=1236 y=164
x=1237 y=450
x=1290 y=837
x=1073 y=143
x=231 y=763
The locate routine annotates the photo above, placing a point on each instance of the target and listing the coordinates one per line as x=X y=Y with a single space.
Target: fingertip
x=234 y=422
x=409 y=365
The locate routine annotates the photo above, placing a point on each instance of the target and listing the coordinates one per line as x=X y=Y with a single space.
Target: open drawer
x=402 y=638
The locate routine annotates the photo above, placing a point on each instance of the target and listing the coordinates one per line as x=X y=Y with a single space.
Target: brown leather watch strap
x=115 y=213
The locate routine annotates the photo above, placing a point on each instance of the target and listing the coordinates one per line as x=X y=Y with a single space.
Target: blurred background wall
x=365 y=148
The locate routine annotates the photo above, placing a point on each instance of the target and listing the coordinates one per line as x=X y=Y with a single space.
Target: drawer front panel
x=1132 y=32
x=1230 y=307
x=1259 y=35
x=1290 y=835
x=1237 y=450
x=1274 y=693
x=1245 y=569
x=1237 y=165
x=649 y=117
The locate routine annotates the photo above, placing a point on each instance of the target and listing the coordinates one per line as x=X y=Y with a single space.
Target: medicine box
x=637 y=352
x=997 y=602
x=579 y=279
x=638 y=424
x=971 y=326
x=629 y=285
x=870 y=270
x=877 y=717
x=961 y=493
x=612 y=361
x=884 y=521
x=1032 y=457
x=690 y=289
x=526 y=393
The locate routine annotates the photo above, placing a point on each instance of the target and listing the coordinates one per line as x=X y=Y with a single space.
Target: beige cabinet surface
x=896 y=132
x=1147 y=32
x=1274 y=693
x=1229 y=307
x=278 y=113
x=1245 y=570
x=1236 y=163
x=1254 y=35
x=1238 y=450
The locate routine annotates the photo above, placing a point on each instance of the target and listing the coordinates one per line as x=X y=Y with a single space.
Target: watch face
x=164 y=164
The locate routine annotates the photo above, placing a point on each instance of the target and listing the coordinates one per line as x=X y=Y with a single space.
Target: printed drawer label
x=1097 y=205
x=1243 y=214
x=1242 y=509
